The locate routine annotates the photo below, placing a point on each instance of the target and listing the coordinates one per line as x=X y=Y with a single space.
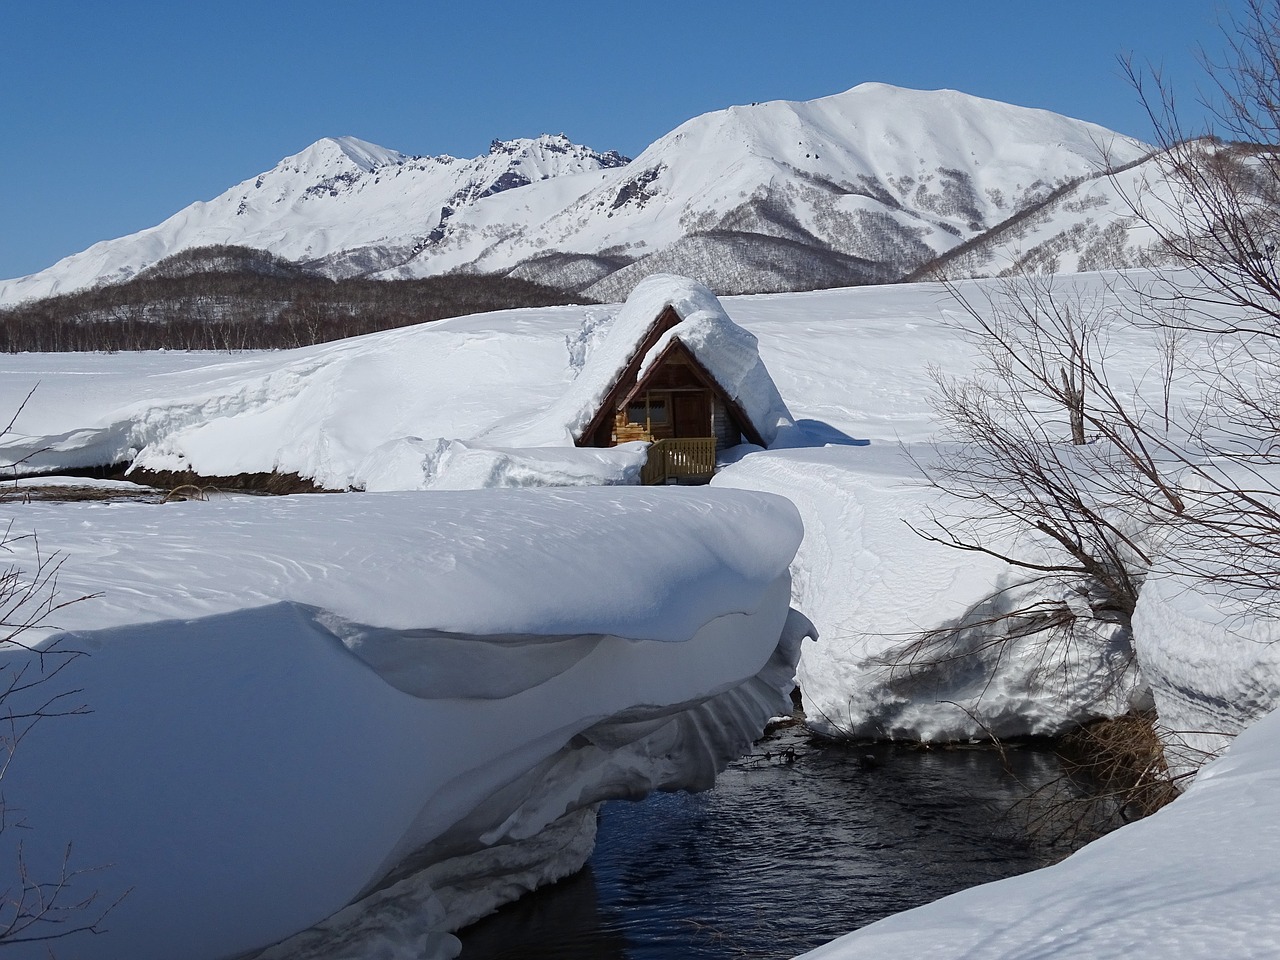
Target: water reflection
x=784 y=854
x=557 y=922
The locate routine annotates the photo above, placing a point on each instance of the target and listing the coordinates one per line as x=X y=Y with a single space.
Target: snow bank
x=870 y=586
x=1199 y=881
x=302 y=702
x=1210 y=651
x=1213 y=665
x=415 y=464
x=32 y=483
x=318 y=411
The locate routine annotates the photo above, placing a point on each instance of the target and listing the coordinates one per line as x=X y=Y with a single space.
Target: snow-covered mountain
x=857 y=187
x=1092 y=223
x=862 y=186
x=342 y=206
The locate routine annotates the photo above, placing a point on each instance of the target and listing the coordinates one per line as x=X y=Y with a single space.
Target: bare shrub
x=1216 y=210
x=1083 y=486
x=1051 y=469
x=1114 y=772
x=45 y=902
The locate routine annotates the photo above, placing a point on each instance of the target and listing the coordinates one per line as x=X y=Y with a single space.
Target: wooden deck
x=680 y=461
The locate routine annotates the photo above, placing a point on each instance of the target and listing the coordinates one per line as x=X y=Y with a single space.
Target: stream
x=796 y=845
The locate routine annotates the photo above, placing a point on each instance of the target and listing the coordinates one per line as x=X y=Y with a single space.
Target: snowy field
x=492 y=400
x=481 y=402
x=850 y=363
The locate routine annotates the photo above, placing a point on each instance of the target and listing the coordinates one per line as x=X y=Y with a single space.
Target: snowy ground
x=490 y=401
x=457 y=379
x=849 y=363
x=381 y=698
x=478 y=402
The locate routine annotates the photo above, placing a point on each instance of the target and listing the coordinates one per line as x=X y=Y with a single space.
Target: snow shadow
x=814 y=433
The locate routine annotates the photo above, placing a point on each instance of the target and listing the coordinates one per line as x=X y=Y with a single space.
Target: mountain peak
x=553 y=144
x=343 y=151
x=551 y=141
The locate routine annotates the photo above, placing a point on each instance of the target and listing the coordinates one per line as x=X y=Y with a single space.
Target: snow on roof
x=729 y=353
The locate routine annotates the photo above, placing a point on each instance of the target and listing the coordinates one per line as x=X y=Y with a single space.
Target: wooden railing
x=690 y=459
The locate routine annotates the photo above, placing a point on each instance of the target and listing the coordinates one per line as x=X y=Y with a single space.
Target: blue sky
x=115 y=115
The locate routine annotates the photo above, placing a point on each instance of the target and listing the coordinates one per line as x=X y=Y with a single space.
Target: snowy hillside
x=860 y=186
x=341 y=206
x=872 y=182
x=1085 y=226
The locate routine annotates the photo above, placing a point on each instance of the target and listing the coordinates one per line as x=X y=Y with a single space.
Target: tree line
x=234 y=298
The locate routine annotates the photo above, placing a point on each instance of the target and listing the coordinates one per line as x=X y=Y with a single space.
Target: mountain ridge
x=872 y=182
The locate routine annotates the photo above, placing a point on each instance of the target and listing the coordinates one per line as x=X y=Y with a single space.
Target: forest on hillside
x=237 y=298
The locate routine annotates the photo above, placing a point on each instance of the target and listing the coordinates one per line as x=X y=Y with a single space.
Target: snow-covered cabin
x=677 y=372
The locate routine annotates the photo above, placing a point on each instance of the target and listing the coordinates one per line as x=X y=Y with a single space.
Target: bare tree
x=1048 y=445
x=1062 y=475
x=1082 y=484
x=1215 y=210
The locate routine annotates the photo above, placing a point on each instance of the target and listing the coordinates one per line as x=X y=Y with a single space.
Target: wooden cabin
x=676 y=405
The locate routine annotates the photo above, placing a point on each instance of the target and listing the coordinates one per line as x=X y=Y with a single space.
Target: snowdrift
x=402 y=703
x=1211 y=651
x=872 y=586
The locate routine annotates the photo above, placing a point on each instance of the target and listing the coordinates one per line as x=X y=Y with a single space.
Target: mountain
x=858 y=187
x=863 y=186
x=340 y=208
x=1089 y=223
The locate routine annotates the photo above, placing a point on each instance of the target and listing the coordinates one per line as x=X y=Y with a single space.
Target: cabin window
x=649 y=410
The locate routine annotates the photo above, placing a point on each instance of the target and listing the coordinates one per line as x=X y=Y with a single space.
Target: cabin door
x=691 y=415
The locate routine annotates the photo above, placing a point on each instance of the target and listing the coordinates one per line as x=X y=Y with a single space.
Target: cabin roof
x=664 y=310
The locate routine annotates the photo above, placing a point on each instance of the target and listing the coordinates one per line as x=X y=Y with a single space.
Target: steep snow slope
x=863 y=185
x=1084 y=226
x=1121 y=219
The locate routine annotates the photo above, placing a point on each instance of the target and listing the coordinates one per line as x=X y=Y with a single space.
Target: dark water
x=787 y=852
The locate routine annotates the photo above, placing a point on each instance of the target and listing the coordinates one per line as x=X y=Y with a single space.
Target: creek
x=797 y=844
